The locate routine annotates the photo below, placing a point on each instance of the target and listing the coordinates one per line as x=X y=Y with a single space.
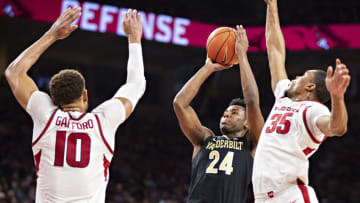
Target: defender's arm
x=336 y=123
x=275 y=44
x=21 y=84
x=130 y=93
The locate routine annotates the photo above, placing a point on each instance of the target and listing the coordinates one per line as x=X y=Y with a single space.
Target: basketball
x=220 y=46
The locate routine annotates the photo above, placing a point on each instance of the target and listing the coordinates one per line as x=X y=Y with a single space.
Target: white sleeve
x=281 y=87
x=135 y=84
x=313 y=113
x=112 y=113
x=40 y=107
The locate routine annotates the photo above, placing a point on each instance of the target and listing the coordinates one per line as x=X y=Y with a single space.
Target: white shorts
x=293 y=194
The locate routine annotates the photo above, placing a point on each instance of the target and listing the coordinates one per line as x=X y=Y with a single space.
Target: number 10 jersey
x=289 y=137
x=73 y=150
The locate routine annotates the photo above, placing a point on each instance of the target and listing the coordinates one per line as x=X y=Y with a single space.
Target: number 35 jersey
x=221 y=171
x=72 y=150
x=289 y=137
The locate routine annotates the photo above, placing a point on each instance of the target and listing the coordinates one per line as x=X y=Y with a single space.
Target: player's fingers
x=134 y=14
x=138 y=16
x=74 y=27
x=65 y=12
x=346 y=82
x=344 y=71
x=75 y=17
x=237 y=33
x=71 y=19
x=338 y=62
x=72 y=12
x=72 y=15
x=129 y=13
x=124 y=16
x=329 y=72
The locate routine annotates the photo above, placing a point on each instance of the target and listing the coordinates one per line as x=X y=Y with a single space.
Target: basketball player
x=297 y=124
x=222 y=165
x=73 y=149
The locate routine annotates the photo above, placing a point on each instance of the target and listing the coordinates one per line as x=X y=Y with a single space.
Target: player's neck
x=72 y=107
x=236 y=134
x=302 y=97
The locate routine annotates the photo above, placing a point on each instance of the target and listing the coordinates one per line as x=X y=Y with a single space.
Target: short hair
x=238 y=101
x=66 y=86
x=321 y=92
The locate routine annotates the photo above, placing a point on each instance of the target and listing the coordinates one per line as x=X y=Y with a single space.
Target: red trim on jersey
x=304 y=191
x=37 y=162
x=76 y=119
x=308 y=150
x=303 y=100
x=102 y=135
x=106 y=167
x=46 y=127
x=308 y=129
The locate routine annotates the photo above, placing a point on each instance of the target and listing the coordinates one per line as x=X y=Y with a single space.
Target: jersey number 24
x=225 y=165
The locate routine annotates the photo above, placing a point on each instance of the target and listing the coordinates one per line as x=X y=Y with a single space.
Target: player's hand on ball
x=132 y=26
x=215 y=66
x=338 y=81
x=62 y=27
x=242 y=42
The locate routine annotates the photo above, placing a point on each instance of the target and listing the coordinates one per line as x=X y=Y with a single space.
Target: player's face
x=233 y=119
x=300 y=82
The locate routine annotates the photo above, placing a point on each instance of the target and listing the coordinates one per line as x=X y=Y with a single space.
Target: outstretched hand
x=338 y=81
x=242 y=42
x=132 y=26
x=62 y=27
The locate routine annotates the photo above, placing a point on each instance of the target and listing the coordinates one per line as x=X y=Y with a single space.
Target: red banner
x=180 y=31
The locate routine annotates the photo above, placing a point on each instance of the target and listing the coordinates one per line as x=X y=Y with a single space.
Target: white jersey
x=289 y=137
x=73 y=150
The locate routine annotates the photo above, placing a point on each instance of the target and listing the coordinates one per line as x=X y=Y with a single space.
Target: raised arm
x=187 y=117
x=337 y=84
x=134 y=88
x=249 y=87
x=21 y=84
x=275 y=44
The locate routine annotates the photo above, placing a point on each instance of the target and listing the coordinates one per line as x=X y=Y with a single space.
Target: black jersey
x=221 y=171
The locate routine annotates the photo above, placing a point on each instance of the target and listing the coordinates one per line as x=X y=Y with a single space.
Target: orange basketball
x=220 y=46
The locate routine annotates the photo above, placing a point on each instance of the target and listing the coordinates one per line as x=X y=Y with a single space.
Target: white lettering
x=162 y=23
x=120 y=29
x=106 y=16
x=148 y=24
x=179 y=29
x=87 y=15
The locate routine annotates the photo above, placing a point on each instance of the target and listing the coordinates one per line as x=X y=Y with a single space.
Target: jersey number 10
x=71 y=146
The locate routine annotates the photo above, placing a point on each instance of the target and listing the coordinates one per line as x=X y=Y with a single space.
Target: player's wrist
x=50 y=35
x=134 y=39
x=337 y=97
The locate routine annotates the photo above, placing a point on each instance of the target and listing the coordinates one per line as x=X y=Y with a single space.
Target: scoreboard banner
x=180 y=31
